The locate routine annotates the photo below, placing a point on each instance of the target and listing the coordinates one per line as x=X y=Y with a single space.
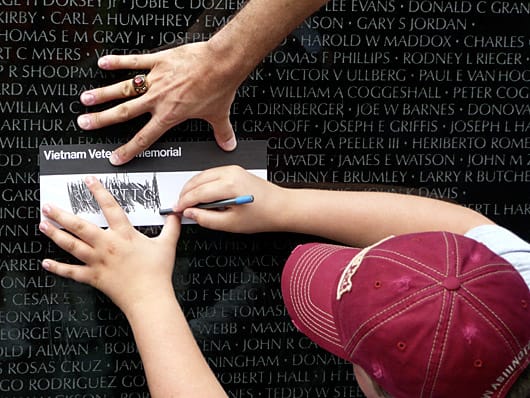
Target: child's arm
x=135 y=272
x=350 y=217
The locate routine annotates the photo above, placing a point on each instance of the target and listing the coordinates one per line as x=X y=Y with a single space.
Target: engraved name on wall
x=420 y=97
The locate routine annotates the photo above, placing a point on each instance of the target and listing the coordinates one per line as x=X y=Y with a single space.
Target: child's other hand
x=119 y=261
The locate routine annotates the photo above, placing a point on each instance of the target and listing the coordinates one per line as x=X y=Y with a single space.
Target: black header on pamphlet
x=175 y=156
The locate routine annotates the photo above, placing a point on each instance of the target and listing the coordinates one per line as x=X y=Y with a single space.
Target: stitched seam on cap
x=442 y=317
x=396 y=261
x=369 y=331
x=319 y=322
x=437 y=331
x=479 y=270
x=486 y=307
x=480 y=313
x=310 y=311
x=447 y=255
x=412 y=260
x=444 y=344
x=389 y=309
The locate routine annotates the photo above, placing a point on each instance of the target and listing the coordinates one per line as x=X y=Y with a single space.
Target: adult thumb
x=224 y=135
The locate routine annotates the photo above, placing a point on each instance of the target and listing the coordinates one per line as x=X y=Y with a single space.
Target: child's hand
x=120 y=261
x=264 y=214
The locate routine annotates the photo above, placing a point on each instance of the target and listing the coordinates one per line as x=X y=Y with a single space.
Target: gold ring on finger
x=139 y=83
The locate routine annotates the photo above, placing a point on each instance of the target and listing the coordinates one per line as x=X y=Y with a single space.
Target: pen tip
x=165 y=212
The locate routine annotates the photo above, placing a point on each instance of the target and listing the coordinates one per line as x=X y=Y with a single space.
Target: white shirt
x=506 y=244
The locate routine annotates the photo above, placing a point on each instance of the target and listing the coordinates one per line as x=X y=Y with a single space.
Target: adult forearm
x=258 y=28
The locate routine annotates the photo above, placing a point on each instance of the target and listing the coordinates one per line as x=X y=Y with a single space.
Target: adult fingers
x=224 y=134
x=131 y=61
x=77 y=273
x=117 y=114
x=112 y=211
x=148 y=135
x=121 y=90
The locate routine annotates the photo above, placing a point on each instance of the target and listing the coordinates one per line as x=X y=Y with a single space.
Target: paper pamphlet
x=151 y=181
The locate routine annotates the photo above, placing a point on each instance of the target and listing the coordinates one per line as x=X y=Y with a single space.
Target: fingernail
x=43 y=226
x=46 y=209
x=230 y=145
x=83 y=121
x=103 y=62
x=88 y=98
x=189 y=213
x=115 y=159
x=46 y=265
x=89 y=180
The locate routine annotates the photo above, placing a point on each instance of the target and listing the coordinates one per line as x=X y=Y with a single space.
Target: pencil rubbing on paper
x=128 y=194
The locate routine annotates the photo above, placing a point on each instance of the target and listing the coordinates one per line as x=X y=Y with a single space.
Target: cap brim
x=309 y=288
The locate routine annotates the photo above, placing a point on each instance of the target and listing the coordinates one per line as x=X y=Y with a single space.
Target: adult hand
x=264 y=214
x=123 y=263
x=192 y=81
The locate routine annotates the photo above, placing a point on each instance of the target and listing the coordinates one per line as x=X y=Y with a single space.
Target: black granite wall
x=426 y=97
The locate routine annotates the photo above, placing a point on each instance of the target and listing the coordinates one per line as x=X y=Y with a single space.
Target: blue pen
x=218 y=204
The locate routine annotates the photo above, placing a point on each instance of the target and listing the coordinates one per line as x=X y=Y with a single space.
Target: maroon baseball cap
x=431 y=314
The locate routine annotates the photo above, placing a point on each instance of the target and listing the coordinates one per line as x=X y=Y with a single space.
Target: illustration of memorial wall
x=427 y=97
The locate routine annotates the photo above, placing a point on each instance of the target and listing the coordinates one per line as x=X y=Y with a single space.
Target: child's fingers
x=171 y=230
x=66 y=241
x=204 y=177
x=77 y=273
x=112 y=211
x=213 y=219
